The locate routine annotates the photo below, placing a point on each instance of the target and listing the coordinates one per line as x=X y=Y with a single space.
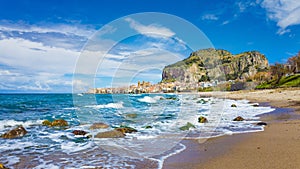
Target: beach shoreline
x=276 y=147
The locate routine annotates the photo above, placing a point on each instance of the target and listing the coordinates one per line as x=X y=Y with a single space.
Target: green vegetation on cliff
x=286 y=81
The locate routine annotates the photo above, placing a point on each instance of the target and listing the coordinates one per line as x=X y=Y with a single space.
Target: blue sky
x=42 y=41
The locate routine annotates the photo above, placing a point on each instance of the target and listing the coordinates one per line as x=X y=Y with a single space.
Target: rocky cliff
x=208 y=64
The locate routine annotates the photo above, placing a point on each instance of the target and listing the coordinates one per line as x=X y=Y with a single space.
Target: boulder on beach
x=187 y=126
x=261 y=123
x=79 y=132
x=55 y=123
x=99 y=126
x=110 y=134
x=202 y=119
x=19 y=131
x=238 y=118
x=126 y=129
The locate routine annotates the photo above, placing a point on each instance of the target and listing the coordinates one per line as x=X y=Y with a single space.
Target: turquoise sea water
x=44 y=147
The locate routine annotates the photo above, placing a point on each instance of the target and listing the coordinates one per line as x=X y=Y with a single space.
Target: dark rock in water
x=238 y=118
x=110 y=134
x=125 y=129
x=202 y=101
x=3 y=167
x=15 y=133
x=187 y=126
x=172 y=98
x=202 y=119
x=233 y=105
x=99 y=126
x=132 y=115
x=261 y=123
x=59 y=123
x=79 y=132
x=255 y=105
x=148 y=127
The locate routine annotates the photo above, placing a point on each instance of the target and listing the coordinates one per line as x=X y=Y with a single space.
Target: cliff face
x=209 y=64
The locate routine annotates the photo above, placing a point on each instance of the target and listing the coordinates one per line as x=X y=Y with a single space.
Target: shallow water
x=44 y=147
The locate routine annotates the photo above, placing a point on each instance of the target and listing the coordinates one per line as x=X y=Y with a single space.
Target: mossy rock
x=46 y=123
x=202 y=119
x=238 y=118
x=55 y=123
x=233 y=105
x=98 y=126
x=110 y=134
x=202 y=101
x=131 y=115
x=126 y=129
x=17 y=132
x=187 y=126
x=148 y=127
x=59 y=123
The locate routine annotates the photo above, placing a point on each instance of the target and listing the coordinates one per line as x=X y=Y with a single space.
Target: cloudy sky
x=42 y=43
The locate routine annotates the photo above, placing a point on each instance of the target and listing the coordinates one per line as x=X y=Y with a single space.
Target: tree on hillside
x=294 y=63
x=277 y=71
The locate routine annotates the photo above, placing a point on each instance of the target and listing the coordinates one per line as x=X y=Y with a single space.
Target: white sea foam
x=44 y=165
x=71 y=108
x=72 y=147
x=12 y=123
x=109 y=105
x=161 y=138
x=163 y=158
x=148 y=99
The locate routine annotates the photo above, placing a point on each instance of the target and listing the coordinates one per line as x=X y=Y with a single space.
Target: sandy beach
x=276 y=147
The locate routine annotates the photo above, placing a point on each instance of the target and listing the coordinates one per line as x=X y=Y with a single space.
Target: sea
x=156 y=117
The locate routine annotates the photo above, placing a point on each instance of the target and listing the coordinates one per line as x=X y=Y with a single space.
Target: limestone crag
x=208 y=64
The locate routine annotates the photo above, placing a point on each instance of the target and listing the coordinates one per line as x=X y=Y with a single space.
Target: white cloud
x=21 y=27
x=150 y=30
x=212 y=17
x=245 y=4
x=40 y=57
x=54 y=35
x=34 y=56
x=285 y=12
x=139 y=61
x=226 y=22
x=35 y=66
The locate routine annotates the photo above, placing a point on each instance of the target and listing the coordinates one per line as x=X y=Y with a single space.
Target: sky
x=72 y=45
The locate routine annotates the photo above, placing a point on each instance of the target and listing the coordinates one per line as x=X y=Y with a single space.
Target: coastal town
x=147 y=87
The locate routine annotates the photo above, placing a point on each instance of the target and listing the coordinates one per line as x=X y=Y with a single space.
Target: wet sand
x=276 y=147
